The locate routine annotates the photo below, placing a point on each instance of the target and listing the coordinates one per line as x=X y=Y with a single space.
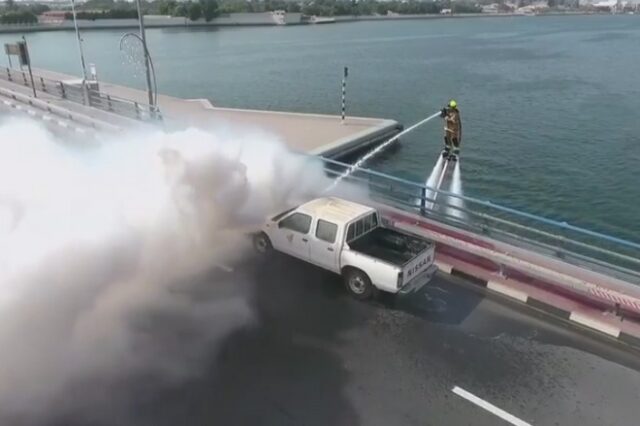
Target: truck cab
x=347 y=238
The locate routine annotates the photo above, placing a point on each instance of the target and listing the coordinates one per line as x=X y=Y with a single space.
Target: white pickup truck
x=348 y=239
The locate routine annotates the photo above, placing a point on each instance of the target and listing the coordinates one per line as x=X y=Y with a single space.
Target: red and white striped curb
x=614 y=297
x=481 y=268
x=593 y=319
x=488 y=252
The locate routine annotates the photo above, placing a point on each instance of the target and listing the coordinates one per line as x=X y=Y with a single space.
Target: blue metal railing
x=584 y=247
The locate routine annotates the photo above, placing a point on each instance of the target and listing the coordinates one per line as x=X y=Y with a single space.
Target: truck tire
x=358 y=284
x=262 y=243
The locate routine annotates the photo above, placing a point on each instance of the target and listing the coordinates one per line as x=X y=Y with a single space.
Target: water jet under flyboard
x=445 y=176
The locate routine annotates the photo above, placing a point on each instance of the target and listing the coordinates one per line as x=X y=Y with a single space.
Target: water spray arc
x=377 y=150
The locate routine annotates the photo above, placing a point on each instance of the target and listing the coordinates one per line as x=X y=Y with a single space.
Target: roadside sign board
x=11 y=49
x=18 y=49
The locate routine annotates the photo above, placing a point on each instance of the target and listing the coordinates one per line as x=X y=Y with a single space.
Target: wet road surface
x=313 y=356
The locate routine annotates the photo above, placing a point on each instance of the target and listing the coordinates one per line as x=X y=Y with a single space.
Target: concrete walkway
x=309 y=133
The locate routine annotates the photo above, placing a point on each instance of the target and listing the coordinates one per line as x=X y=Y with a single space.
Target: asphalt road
x=313 y=356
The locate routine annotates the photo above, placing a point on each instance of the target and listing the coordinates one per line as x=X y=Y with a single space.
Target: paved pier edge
x=551 y=298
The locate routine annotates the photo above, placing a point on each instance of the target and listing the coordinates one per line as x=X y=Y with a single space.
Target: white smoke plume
x=96 y=239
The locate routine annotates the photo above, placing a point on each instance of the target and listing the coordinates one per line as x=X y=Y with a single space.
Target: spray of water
x=433 y=179
x=94 y=241
x=358 y=164
x=441 y=179
x=132 y=53
x=456 y=188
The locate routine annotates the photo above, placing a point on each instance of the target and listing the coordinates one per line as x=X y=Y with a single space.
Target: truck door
x=293 y=235
x=325 y=247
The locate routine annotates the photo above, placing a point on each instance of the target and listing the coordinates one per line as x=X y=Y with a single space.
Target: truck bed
x=390 y=246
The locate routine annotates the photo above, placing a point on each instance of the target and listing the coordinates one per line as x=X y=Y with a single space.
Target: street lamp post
x=84 y=67
x=146 y=57
x=75 y=24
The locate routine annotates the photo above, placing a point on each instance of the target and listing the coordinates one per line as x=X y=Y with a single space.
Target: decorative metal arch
x=147 y=55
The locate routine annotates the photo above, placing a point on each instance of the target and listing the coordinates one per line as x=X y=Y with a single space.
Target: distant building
x=612 y=6
x=505 y=7
x=445 y=12
x=52 y=17
x=491 y=8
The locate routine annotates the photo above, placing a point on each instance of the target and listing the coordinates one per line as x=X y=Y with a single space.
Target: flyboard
x=449 y=156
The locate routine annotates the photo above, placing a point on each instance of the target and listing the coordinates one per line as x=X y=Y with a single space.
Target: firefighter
x=452 y=130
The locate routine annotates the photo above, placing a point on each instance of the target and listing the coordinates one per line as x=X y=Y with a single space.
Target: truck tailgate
x=418 y=264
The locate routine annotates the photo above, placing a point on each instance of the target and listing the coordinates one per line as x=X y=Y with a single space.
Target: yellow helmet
x=453 y=104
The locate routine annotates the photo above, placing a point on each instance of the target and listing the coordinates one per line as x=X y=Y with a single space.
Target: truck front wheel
x=358 y=284
x=262 y=243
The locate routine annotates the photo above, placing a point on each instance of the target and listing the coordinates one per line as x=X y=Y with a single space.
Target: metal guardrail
x=75 y=93
x=122 y=106
x=61 y=112
x=583 y=247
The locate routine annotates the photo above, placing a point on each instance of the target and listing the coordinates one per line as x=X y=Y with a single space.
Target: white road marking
x=47 y=117
x=489 y=407
x=7 y=103
x=31 y=112
x=63 y=123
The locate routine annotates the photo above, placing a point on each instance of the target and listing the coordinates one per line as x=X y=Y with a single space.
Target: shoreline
x=114 y=24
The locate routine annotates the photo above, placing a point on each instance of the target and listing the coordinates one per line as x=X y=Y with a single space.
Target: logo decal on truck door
x=290 y=238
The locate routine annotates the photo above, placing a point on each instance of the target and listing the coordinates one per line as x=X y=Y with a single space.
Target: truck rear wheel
x=262 y=243
x=358 y=284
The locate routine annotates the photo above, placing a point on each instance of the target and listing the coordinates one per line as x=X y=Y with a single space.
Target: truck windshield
x=362 y=226
x=283 y=214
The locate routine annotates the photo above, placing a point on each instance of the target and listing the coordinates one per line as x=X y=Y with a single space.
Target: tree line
x=16 y=13
x=104 y=14
x=13 y=13
x=351 y=7
x=194 y=10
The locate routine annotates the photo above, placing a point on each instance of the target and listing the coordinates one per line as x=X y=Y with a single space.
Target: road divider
x=508 y=291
